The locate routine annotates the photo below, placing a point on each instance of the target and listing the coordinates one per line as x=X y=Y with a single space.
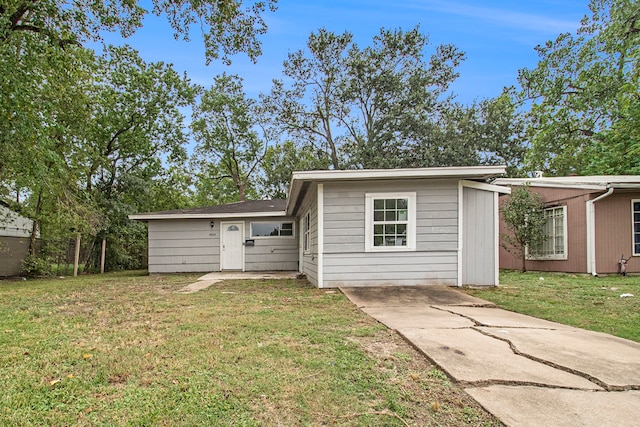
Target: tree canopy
x=388 y=105
x=583 y=97
x=87 y=138
x=228 y=27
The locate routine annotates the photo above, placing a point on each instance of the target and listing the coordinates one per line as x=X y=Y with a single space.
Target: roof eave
x=151 y=216
x=464 y=172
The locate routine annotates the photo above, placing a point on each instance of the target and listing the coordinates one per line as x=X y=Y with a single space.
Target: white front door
x=231 y=248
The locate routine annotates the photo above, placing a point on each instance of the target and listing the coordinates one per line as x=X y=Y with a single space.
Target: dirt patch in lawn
x=435 y=399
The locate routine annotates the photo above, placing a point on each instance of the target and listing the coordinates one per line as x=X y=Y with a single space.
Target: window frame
x=410 y=222
x=279 y=236
x=554 y=256
x=306 y=233
x=633 y=229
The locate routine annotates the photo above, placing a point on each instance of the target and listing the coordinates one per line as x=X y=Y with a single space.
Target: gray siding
x=193 y=246
x=271 y=253
x=433 y=262
x=177 y=246
x=310 y=258
x=478 y=248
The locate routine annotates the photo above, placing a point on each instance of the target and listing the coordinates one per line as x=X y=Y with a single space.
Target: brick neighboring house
x=592 y=221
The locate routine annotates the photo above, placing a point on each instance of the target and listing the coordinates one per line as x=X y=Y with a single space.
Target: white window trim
x=558 y=257
x=411 y=223
x=633 y=233
x=293 y=228
x=306 y=233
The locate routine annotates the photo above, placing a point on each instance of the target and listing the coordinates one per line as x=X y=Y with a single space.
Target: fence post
x=104 y=247
x=77 y=258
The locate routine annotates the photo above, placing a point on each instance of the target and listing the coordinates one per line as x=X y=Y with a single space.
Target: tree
x=42 y=115
x=364 y=107
x=136 y=130
x=312 y=107
x=85 y=140
x=229 y=129
x=583 y=92
x=488 y=132
x=396 y=94
x=228 y=27
x=280 y=161
x=523 y=213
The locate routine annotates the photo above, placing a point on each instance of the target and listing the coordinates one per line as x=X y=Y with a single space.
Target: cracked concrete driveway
x=526 y=371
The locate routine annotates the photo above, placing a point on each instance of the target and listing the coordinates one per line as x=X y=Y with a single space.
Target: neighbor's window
x=307 y=232
x=635 y=204
x=554 y=245
x=271 y=229
x=390 y=221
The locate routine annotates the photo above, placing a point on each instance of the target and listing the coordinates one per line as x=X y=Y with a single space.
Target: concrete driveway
x=526 y=371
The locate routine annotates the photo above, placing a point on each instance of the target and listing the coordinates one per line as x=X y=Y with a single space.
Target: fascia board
x=486 y=187
x=361 y=174
x=143 y=217
x=557 y=184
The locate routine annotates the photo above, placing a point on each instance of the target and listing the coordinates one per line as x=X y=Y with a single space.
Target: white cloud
x=507 y=18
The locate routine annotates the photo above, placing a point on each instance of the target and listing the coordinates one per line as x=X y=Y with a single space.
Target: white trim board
x=152 y=216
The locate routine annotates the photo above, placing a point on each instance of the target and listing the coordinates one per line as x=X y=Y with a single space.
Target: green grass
x=125 y=349
x=579 y=300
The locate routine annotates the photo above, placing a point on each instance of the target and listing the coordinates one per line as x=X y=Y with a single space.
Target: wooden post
x=77 y=258
x=104 y=248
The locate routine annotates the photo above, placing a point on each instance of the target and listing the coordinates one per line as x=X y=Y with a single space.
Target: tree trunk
x=241 y=191
x=524 y=260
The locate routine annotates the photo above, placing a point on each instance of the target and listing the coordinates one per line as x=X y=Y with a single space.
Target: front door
x=231 y=248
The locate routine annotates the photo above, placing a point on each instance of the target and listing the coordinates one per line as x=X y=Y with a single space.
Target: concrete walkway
x=212 y=278
x=525 y=371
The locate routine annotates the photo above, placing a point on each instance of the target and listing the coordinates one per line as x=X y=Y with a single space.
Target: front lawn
x=595 y=303
x=125 y=349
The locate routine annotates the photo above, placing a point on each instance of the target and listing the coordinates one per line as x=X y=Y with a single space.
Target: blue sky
x=498 y=37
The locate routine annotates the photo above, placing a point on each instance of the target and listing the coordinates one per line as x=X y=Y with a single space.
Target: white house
x=346 y=228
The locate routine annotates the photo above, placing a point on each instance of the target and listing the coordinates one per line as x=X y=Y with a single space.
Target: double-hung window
x=554 y=243
x=635 y=207
x=390 y=222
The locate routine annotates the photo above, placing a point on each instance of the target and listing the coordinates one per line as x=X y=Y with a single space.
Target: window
x=635 y=206
x=390 y=221
x=271 y=229
x=554 y=245
x=306 y=229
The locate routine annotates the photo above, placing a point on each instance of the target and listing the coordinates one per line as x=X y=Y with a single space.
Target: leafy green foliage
x=280 y=161
x=230 y=130
x=523 y=212
x=227 y=28
x=312 y=107
x=388 y=105
x=583 y=95
x=35 y=266
x=395 y=95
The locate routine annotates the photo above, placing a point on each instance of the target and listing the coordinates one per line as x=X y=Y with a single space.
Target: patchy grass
x=584 y=301
x=124 y=349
